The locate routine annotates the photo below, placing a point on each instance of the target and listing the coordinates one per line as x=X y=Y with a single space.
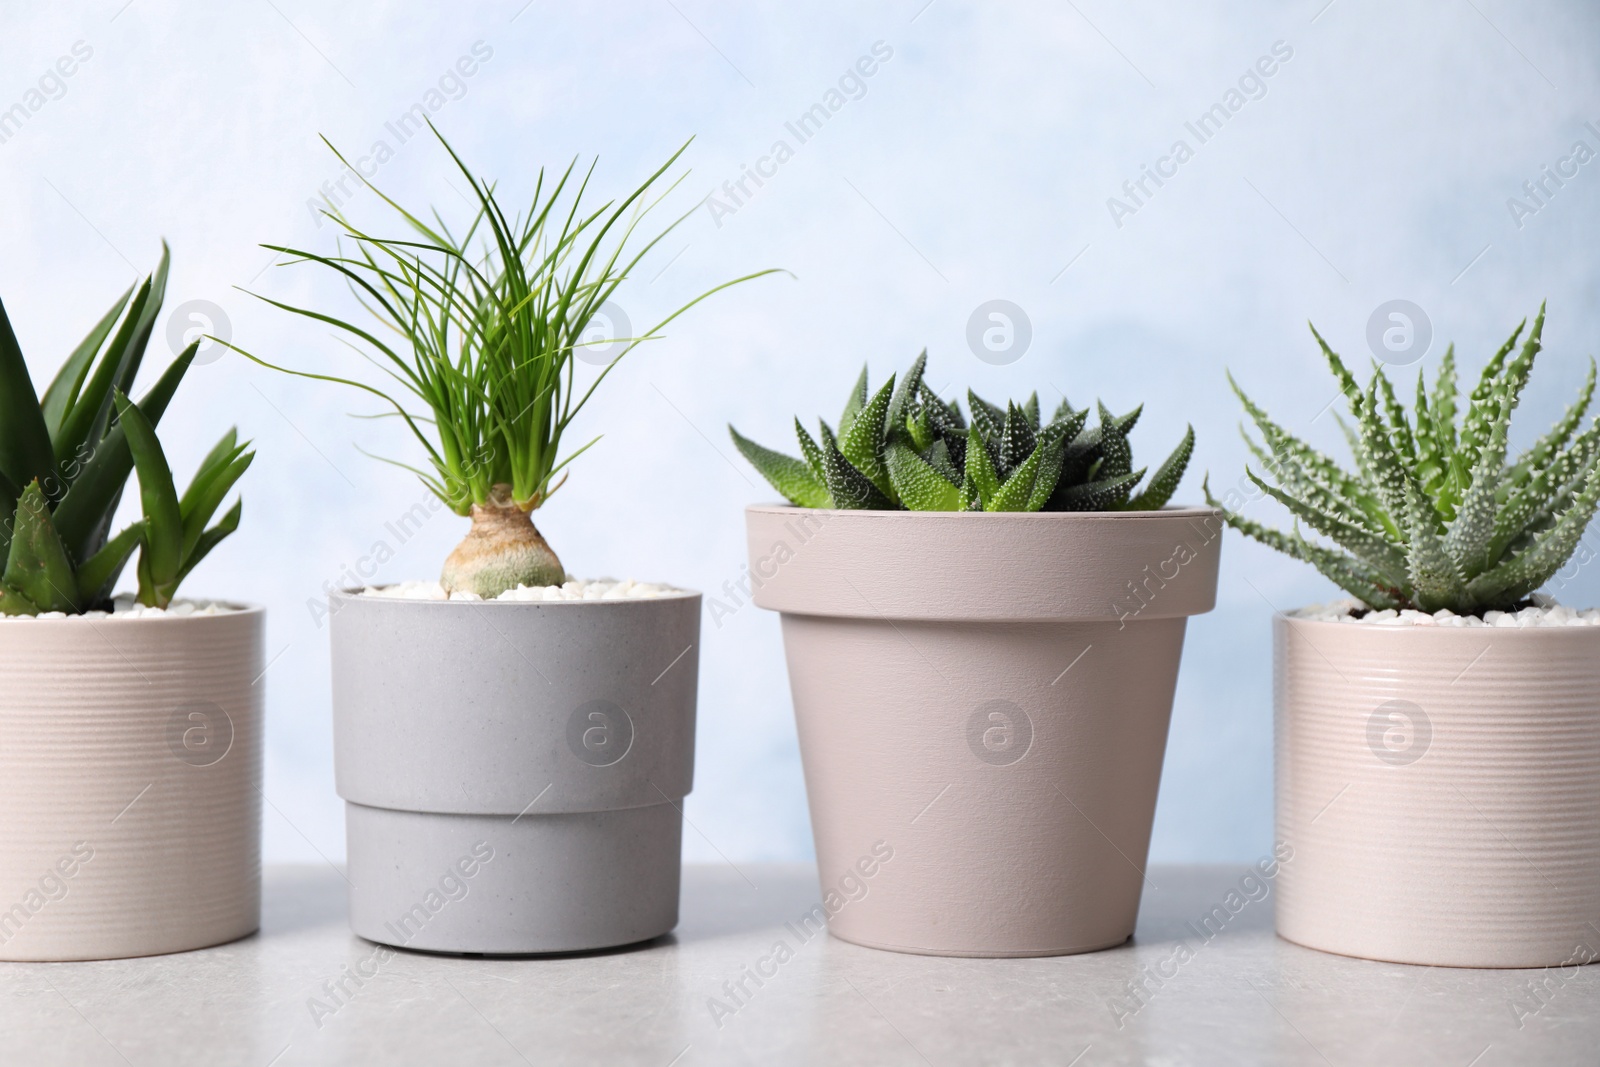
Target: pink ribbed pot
x=130 y=784
x=1440 y=788
x=982 y=703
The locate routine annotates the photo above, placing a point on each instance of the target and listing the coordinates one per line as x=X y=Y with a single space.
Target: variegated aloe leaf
x=1381 y=555
x=1548 y=552
x=1434 y=576
x=1347 y=492
x=1474 y=532
x=1548 y=446
x=1399 y=424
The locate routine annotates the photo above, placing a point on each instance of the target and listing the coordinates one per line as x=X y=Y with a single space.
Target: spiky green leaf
x=920 y=485
x=37 y=566
x=862 y=444
x=68 y=382
x=789 y=476
x=84 y=515
x=1107 y=494
x=1017 y=439
x=162 y=556
x=97 y=577
x=980 y=479
x=24 y=438
x=212 y=538
x=1166 y=478
x=905 y=395
x=1513 y=580
x=1472 y=530
x=848 y=487
x=852 y=406
x=809 y=450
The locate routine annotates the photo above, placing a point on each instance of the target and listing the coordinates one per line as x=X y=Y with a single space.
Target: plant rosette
x=130 y=781
x=1437 y=740
x=553 y=736
x=983 y=693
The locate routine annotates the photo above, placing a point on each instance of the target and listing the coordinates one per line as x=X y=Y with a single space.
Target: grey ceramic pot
x=514 y=772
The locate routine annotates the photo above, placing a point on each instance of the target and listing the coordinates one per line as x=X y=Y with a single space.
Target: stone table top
x=290 y=996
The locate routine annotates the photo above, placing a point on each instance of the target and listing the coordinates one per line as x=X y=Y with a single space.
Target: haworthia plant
x=65 y=458
x=1435 y=515
x=903 y=448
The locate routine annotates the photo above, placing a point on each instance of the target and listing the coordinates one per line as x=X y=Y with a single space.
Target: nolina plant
x=1435 y=515
x=484 y=327
x=906 y=449
x=65 y=459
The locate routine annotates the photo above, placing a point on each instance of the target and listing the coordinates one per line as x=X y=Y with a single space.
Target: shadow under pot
x=1439 y=788
x=513 y=772
x=982 y=702
x=130 y=784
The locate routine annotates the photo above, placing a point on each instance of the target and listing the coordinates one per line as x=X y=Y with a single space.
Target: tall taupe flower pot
x=1441 y=790
x=982 y=703
x=514 y=771
x=130 y=784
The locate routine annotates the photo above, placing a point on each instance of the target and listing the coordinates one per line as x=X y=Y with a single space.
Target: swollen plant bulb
x=502 y=551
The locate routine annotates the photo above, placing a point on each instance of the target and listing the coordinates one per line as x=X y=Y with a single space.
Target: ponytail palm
x=478 y=336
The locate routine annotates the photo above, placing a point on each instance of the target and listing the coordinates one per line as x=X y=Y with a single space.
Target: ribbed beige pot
x=130 y=784
x=1441 y=791
x=982 y=703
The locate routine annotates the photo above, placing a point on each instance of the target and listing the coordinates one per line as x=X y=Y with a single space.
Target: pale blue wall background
x=978 y=164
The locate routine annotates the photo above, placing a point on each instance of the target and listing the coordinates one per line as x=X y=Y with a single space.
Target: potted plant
x=130 y=728
x=983 y=622
x=513 y=745
x=1438 y=737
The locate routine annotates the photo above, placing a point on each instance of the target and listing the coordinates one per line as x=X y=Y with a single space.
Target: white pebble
x=573 y=589
x=1544 y=611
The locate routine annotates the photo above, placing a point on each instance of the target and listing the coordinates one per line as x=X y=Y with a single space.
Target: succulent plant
x=482 y=328
x=65 y=459
x=1434 y=515
x=903 y=448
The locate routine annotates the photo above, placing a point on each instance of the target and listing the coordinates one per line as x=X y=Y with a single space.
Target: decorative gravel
x=574 y=589
x=1544 y=612
x=124 y=608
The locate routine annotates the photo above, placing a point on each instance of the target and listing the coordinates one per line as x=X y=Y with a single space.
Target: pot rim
x=235 y=610
x=354 y=594
x=1171 y=511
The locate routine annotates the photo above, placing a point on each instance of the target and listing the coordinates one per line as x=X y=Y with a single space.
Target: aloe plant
x=1435 y=515
x=65 y=459
x=485 y=339
x=903 y=448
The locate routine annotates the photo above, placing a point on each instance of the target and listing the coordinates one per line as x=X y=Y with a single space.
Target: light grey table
x=1168 y=997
